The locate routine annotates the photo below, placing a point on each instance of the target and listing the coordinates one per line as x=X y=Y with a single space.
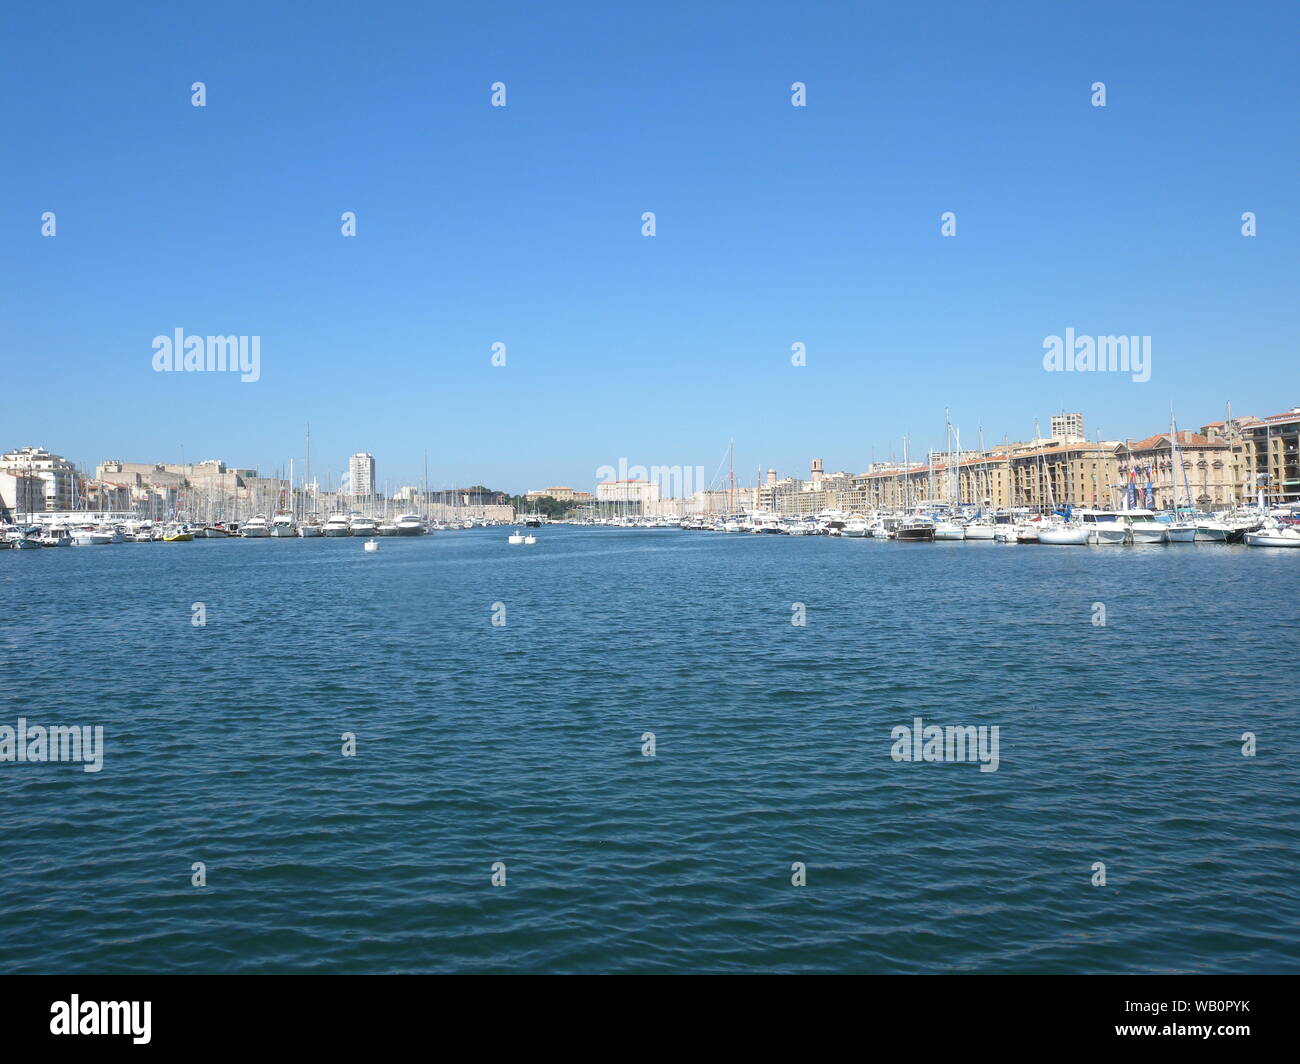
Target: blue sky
x=522 y=225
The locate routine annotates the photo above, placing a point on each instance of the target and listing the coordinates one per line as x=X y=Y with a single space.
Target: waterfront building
x=1212 y=470
x=561 y=494
x=20 y=493
x=58 y=476
x=1271 y=457
x=1067 y=427
x=361 y=473
x=628 y=491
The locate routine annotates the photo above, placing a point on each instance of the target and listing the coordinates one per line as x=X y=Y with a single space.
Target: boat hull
x=1271 y=539
x=1064 y=537
x=1149 y=535
x=1102 y=535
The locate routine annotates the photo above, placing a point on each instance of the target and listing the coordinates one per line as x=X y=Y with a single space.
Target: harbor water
x=500 y=697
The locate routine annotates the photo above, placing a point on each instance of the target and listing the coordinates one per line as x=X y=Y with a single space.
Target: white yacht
x=361 y=525
x=310 y=528
x=1066 y=534
x=765 y=522
x=949 y=530
x=90 y=536
x=1105 y=526
x=283 y=527
x=1274 y=534
x=257 y=527
x=979 y=529
x=386 y=527
x=1211 y=528
x=410 y=524
x=1180 y=531
x=1144 y=528
x=856 y=528
x=337 y=525
x=515 y=537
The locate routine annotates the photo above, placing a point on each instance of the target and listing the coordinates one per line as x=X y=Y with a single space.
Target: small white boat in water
x=1066 y=535
x=257 y=527
x=337 y=525
x=283 y=527
x=1105 y=526
x=372 y=545
x=856 y=528
x=89 y=536
x=515 y=537
x=362 y=526
x=410 y=525
x=1274 y=535
x=1144 y=528
x=529 y=539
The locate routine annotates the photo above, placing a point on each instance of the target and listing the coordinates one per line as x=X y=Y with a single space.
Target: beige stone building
x=1212 y=470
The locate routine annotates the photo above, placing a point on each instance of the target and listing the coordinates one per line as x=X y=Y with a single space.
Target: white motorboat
x=1211 y=529
x=309 y=529
x=979 y=530
x=1274 y=535
x=361 y=525
x=1105 y=526
x=529 y=539
x=949 y=530
x=24 y=538
x=56 y=536
x=1027 y=532
x=337 y=525
x=257 y=527
x=856 y=528
x=1144 y=528
x=283 y=527
x=1064 y=535
x=515 y=537
x=372 y=545
x=386 y=528
x=1180 y=532
x=90 y=536
x=410 y=525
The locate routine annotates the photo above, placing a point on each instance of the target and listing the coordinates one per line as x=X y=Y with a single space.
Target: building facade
x=361 y=475
x=58 y=476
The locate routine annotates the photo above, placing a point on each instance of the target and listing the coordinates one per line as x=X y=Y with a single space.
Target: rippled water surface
x=522 y=744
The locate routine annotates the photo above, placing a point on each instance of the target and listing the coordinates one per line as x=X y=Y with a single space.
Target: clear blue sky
x=522 y=225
